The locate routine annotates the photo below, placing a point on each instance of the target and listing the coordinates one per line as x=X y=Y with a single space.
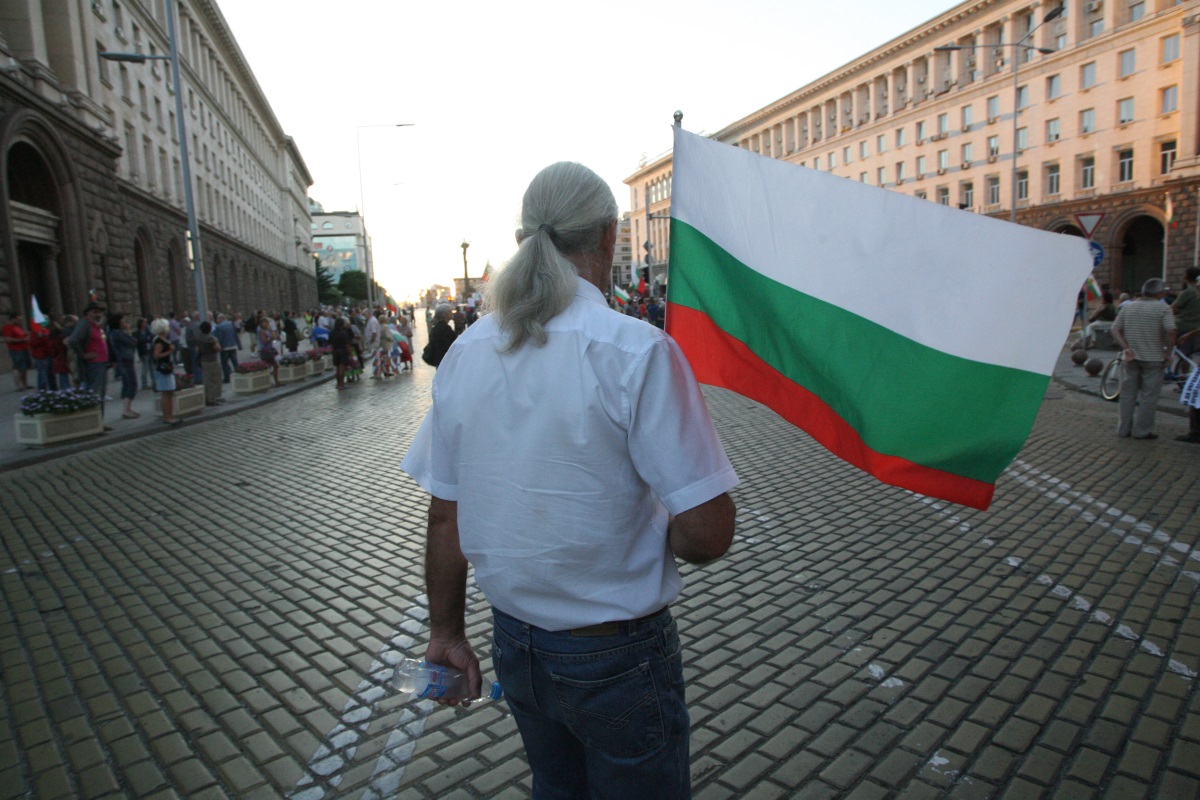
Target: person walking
x=571 y=458
x=341 y=341
x=1186 y=309
x=441 y=337
x=145 y=340
x=39 y=352
x=88 y=341
x=207 y=351
x=227 y=335
x=17 y=339
x=124 y=354
x=267 y=339
x=163 y=353
x=1145 y=332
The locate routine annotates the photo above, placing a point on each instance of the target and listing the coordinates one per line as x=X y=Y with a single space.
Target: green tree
x=353 y=285
x=327 y=293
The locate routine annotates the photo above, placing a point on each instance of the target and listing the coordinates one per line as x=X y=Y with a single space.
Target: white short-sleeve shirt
x=565 y=461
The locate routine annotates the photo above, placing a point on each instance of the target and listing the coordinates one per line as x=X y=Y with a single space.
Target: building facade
x=340 y=239
x=623 y=272
x=1094 y=113
x=91 y=188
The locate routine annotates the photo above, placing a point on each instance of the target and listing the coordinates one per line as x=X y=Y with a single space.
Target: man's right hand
x=458 y=654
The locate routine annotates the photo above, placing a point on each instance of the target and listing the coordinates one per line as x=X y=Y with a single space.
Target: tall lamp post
x=466 y=281
x=368 y=262
x=194 y=257
x=1017 y=46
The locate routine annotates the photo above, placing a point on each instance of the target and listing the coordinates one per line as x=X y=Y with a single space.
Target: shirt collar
x=588 y=291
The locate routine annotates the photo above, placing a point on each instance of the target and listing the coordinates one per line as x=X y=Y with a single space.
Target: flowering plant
x=315 y=354
x=63 y=401
x=252 y=366
x=184 y=380
x=293 y=360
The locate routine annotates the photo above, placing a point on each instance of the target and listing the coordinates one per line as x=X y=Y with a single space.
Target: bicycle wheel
x=1179 y=369
x=1110 y=380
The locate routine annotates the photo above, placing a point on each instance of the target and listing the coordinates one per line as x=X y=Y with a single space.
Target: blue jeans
x=129 y=386
x=95 y=377
x=148 y=371
x=601 y=716
x=229 y=362
x=46 y=378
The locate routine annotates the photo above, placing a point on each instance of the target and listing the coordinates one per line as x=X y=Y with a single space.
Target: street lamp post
x=466 y=281
x=1017 y=46
x=368 y=261
x=194 y=256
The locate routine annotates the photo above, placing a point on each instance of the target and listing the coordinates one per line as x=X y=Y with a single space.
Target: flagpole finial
x=678 y=119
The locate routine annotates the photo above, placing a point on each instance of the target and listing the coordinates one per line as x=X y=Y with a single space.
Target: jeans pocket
x=618 y=715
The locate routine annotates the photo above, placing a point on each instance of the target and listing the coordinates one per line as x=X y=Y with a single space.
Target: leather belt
x=613 y=628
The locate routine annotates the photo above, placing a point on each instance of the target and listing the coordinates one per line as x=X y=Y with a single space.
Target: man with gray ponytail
x=571 y=459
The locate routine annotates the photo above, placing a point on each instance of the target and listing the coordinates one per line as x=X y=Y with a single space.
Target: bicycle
x=1176 y=374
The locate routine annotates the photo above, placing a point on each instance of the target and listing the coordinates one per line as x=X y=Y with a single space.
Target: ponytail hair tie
x=548 y=228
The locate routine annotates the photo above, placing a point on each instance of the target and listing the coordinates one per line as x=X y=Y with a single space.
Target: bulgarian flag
x=621 y=295
x=912 y=340
x=37 y=320
x=1092 y=288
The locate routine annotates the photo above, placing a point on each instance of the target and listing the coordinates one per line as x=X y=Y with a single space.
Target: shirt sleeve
x=428 y=461
x=672 y=441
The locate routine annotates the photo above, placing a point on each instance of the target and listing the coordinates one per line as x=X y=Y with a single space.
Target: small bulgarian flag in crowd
x=1093 y=288
x=912 y=340
x=621 y=295
x=38 y=320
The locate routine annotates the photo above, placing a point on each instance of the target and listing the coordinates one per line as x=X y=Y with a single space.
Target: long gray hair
x=564 y=213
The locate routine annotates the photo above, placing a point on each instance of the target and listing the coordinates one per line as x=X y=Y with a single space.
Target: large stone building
x=91 y=192
x=1107 y=125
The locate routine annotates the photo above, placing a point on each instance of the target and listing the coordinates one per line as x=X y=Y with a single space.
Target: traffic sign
x=1097 y=253
x=1089 y=222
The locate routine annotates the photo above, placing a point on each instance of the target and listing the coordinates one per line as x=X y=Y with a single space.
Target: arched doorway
x=1068 y=229
x=1141 y=253
x=36 y=217
x=147 y=302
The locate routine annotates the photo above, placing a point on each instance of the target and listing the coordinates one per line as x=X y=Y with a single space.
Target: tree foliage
x=353 y=284
x=327 y=293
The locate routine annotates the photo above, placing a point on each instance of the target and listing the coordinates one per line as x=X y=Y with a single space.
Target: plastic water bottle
x=422 y=679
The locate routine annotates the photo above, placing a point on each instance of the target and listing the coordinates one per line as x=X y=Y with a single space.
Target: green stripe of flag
x=904 y=399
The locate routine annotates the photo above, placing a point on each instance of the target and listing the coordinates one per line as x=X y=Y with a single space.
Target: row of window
x=772 y=142
x=1168 y=102
x=1051 y=175
x=234 y=194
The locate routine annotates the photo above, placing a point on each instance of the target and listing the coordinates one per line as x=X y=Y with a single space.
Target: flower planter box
x=187 y=402
x=251 y=382
x=43 y=429
x=326 y=362
x=290 y=374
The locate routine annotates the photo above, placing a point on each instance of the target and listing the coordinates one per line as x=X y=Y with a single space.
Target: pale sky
x=496 y=91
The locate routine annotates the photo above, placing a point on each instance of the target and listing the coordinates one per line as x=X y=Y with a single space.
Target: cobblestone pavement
x=210 y=613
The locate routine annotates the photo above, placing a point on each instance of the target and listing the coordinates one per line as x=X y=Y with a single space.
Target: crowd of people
x=148 y=353
x=1147 y=327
